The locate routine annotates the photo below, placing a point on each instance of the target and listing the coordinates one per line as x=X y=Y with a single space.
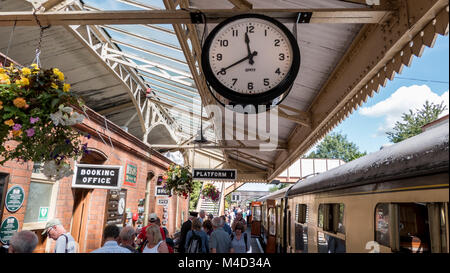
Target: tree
x=336 y=146
x=278 y=187
x=197 y=187
x=413 y=121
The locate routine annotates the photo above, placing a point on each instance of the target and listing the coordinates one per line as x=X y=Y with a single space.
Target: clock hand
x=247 y=41
x=240 y=61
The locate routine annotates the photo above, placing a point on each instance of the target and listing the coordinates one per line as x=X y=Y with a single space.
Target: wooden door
x=80 y=213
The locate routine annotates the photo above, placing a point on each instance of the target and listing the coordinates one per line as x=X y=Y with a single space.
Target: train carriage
x=393 y=200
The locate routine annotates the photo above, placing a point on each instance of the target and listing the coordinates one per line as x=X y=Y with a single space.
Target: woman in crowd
x=155 y=243
x=198 y=232
x=240 y=240
x=207 y=227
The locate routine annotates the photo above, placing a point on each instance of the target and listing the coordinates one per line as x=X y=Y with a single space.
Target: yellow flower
x=35 y=68
x=54 y=85
x=26 y=71
x=23 y=81
x=1 y=105
x=19 y=102
x=9 y=122
x=17 y=132
x=66 y=87
x=58 y=73
x=2 y=70
x=4 y=79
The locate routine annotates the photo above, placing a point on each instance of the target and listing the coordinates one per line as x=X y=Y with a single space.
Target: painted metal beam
x=126 y=17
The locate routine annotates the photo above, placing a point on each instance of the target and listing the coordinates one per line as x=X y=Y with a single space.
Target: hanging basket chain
x=36 y=59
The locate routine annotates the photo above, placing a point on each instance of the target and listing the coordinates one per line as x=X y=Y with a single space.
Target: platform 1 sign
x=214 y=174
x=92 y=176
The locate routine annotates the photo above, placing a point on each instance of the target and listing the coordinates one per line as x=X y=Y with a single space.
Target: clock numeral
x=278 y=71
x=223 y=43
x=266 y=82
x=234 y=81
x=281 y=55
x=222 y=72
x=250 y=29
x=265 y=32
x=219 y=57
x=250 y=86
x=235 y=33
x=277 y=42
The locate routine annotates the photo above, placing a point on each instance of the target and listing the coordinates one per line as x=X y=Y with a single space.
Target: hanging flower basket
x=36 y=113
x=211 y=192
x=178 y=180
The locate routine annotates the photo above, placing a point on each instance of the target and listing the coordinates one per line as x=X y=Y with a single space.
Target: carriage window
x=331 y=217
x=301 y=213
x=382 y=224
x=413 y=227
x=272 y=223
x=257 y=213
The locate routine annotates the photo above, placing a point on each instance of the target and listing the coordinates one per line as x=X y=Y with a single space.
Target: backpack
x=195 y=244
x=245 y=240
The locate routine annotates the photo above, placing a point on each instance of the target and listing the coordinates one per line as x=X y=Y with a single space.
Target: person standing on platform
x=111 y=235
x=238 y=219
x=127 y=237
x=240 y=240
x=202 y=216
x=194 y=236
x=226 y=226
x=207 y=227
x=23 y=242
x=142 y=237
x=65 y=243
x=220 y=241
x=155 y=242
x=185 y=228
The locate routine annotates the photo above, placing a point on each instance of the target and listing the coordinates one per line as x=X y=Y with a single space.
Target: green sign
x=14 y=198
x=43 y=214
x=130 y=174
x=9 y=226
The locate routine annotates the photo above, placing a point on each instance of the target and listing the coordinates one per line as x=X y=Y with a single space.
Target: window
x=382 y=224
x=331 y=218
x=3 y=187
x=39 y=202
x=301 y=228
x=272 y=223
x=256 y=213
x=412 y=227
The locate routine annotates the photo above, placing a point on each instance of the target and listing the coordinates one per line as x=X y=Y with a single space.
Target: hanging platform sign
x=214 y=174
x=14 y=198
x=92 y=176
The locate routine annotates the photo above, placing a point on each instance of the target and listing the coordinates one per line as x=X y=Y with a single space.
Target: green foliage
x=36 y=115
x=178 y=180
x=336 y=146
x=414 y=120
x=228 y=201
x=195 y=195
x=278 y=187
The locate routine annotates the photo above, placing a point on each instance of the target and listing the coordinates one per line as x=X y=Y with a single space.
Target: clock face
x=121 y=206
x=250 y=59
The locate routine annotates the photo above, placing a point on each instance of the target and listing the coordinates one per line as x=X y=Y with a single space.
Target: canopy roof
x=138 y=64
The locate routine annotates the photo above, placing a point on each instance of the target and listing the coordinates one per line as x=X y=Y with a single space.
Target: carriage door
x=271 y=227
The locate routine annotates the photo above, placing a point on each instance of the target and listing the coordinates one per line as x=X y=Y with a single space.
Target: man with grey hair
x=23 y=242
x=127 y=237
x=202 y=215
x=220 y=241
x=65 y=243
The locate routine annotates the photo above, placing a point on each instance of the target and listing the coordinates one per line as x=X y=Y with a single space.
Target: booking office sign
x=91 y=176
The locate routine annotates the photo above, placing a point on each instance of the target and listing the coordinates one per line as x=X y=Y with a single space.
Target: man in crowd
x=23 y=242
x=184 y=230
x=226 y=226
x=65 y=243
x=127 y=237
x=202 y=216
x=220 y=241
x=238 y=219
x=111 y=235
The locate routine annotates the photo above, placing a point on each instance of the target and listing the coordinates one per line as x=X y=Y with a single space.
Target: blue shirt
x=111 y=247
x=203 y=236
x=227 y=228
x=220 y=240
x=239 y=245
